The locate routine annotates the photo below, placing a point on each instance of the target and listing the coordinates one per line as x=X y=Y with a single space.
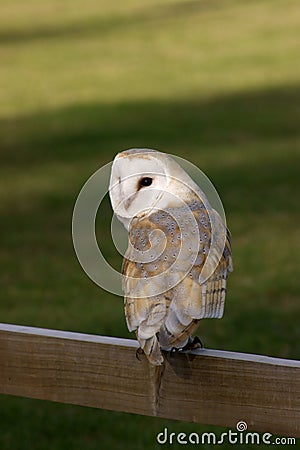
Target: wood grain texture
x=205 y=386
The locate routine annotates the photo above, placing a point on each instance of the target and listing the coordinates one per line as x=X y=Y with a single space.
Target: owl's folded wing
x=205 y=292
x=214 y=289
x=193 y=300
x=172 y=315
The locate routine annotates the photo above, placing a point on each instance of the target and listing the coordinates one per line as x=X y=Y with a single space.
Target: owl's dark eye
x=144 y=182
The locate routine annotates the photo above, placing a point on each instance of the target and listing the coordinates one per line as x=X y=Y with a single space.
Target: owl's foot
x=193 y=344
x=175 y=349
x=138 y=353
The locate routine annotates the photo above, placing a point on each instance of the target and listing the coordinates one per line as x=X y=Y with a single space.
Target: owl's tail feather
x=152 y=350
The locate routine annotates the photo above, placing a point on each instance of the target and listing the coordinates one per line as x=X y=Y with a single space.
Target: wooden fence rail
x=204 y=386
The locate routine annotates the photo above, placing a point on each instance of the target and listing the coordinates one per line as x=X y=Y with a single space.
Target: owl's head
x=144 y=179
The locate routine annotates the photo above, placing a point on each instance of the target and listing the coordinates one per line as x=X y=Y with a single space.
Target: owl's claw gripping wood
x=138 y=353
x=193 y=344
x=174 y=350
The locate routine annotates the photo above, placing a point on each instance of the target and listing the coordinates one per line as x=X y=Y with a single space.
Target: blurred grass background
x=216 y=82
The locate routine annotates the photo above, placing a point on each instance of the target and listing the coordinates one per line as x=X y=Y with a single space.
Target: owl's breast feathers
x=174 y=273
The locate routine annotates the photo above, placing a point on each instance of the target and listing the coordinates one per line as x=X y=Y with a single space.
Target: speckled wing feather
x=163 y=300
x=200 y=294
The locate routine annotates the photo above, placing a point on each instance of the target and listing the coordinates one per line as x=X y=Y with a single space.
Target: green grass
x=216 y=82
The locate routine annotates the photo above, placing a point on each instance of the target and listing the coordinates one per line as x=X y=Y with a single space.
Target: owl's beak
x=129 y=200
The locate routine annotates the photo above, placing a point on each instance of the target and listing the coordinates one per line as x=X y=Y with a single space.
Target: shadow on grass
x=103 y=25
x=80 y=131
x=245 y=142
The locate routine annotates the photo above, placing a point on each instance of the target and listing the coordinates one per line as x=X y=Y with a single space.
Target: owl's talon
x=138 y=353
x=175 y=350
x=193 y=344
x=197 y=343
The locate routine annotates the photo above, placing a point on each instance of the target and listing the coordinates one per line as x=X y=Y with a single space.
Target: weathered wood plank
x=205 y=386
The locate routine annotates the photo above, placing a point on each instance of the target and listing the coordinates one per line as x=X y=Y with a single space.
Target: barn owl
x=179 y=251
